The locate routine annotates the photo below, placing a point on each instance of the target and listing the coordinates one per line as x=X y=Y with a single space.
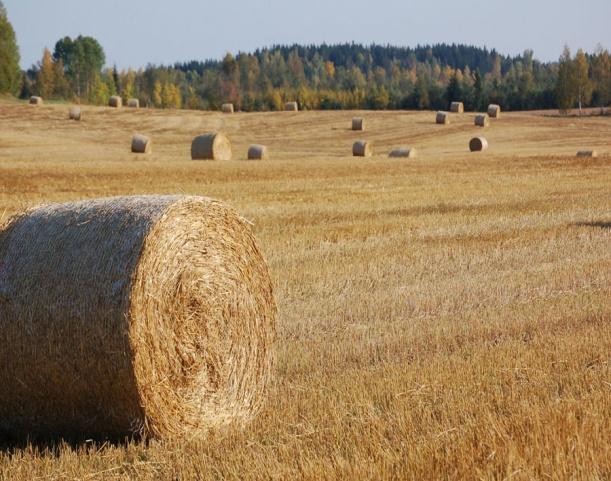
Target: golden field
x=443 y=317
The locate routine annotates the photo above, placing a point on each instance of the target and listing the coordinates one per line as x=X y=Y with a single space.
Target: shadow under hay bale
x=211 y=146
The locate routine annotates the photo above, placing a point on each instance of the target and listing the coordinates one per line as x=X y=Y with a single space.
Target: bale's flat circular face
x=221 y=147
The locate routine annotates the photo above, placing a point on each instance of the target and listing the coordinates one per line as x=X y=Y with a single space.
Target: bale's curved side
x=477 y=144
x=227 y=108
x=457 y=107
x=133 y=103
x=406 y=152
x=494 y=111
x=442 y=118
x=75 y=113
x=257 y=152
x=291 y=107
x=362 y=148
x=211 y=146
x=482 y=120
x=358 y=123
x=115 y=101
x=587 y=153
x=141 y=144
x=35 y=100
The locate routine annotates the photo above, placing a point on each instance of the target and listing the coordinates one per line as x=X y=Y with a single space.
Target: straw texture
x=478 y=144
x=35 y=100
x=494 y=111
x=75 y=113
x=587 y=153
x=406 y=152
x=150 y=315
x=291 y=107
x=358 y=123
x=482 y=120
x=362 y=148
x=227 y=108
x=141 y=144
x=457 y=107
x=442 y=118
x=257 y=152
x=211 y=146
x=115 y=101
x=133 y=103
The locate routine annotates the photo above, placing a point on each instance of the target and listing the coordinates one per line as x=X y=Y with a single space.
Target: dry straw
x=291 y=107
x=35 y=100
x=75 y=113
x=227 y=108
x=150 y=316
x=257 y=152
x=358 y=123
x=133 y=103
x=442 y=118
x=457 y=107
x=406 y=152
x=477 y=144
x=494 y=111
x=211 y=146
x=115 y=101
x=362 y=148
x=482 y=120
x=587 y=153
x=141 y=144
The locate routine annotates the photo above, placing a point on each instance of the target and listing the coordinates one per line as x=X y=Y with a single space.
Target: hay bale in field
x=457 y=107
x=257 y=152
x=482 y=120
x=442 y=118
x=362 y=148
x=494 y=111
x=141 y=144
x=587 y=153
x=358 y=123
x=291 y=107
x=75 y=113
x=211 y=146
x=35 y=100
x=149 y=315
x=477 y=144
x=406 y=152
x=133 y=103
x=227 y=108
x=115 y=101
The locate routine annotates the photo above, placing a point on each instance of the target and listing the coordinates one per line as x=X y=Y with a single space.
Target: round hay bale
x=35 y=100
x=587 y=153
x=133 y=103
x=291 y=107
x=494 y=111
x=149 y=316
x=442 y=118
x=227 y=108
x=211 y=146
x=358 y=123
x=457 y=107
x=141 y=144
x=75 y=113
x=115 y=101
x=406 y=152
x=477 y=144
x=257 y=152
x=482 y=120
x=362 y=148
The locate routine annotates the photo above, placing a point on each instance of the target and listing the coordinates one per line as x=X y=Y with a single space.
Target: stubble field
x=443 y=317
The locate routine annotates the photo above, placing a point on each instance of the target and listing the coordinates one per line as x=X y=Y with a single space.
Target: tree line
x=345 y=76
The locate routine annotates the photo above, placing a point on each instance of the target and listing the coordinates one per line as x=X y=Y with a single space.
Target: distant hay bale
x=257 y=152
x=35 y=100
x=494 y=111
x=227 y=108
x=133 y=103
x=291 y=107
x=362 y=148
x=150 y=316
x=477 y=144
x=482 y=120
x=358 y=123
x=211 y=146
x=587 y=153
x=457 y=107
x=141 y=144
x=75 y=113
x=407 y=152
x=115 y=101
x=442 y=118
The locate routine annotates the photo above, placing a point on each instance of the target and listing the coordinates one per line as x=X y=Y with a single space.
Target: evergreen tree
x=454 y=90
x=10 y=73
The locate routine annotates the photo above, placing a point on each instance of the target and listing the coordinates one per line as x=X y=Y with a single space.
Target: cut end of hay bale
x=227 y=108
x=482 y=120
x=35 y=100
x=405 y=152
x=494 y=111
x=257 y=152
x=291 y=107
x=362 y=148
x=587 y=153
x=115 y=101
x=211 y=146
x=161 y=306
x=457 y=107
x=75 y=113
x=141 y=144
x=133 y=103
x=477 y=144
x=442 y=118
x=358 y=123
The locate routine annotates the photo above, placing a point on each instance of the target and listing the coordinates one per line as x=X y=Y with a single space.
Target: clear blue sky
x=136 y=32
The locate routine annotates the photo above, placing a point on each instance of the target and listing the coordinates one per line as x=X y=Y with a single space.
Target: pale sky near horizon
x=137 y=32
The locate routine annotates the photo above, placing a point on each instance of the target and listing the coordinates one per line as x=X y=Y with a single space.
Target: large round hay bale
x=133 y=103
x=75 y=113
x=115 y=101
x=406 y=152
x=147 y=316
x=211 y=146
x=494 y=111
x=442 y=118
x=358 y=123
x=291 y=107
x=477 y=144
x=141 y=144
x=587 y=153
x=227 y=108
x=35 y=100
x=257 y=152
x=482 y=120
x=362 y=148
x=457 y=107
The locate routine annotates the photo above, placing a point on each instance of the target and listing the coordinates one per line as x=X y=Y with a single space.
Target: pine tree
x=10 y=73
